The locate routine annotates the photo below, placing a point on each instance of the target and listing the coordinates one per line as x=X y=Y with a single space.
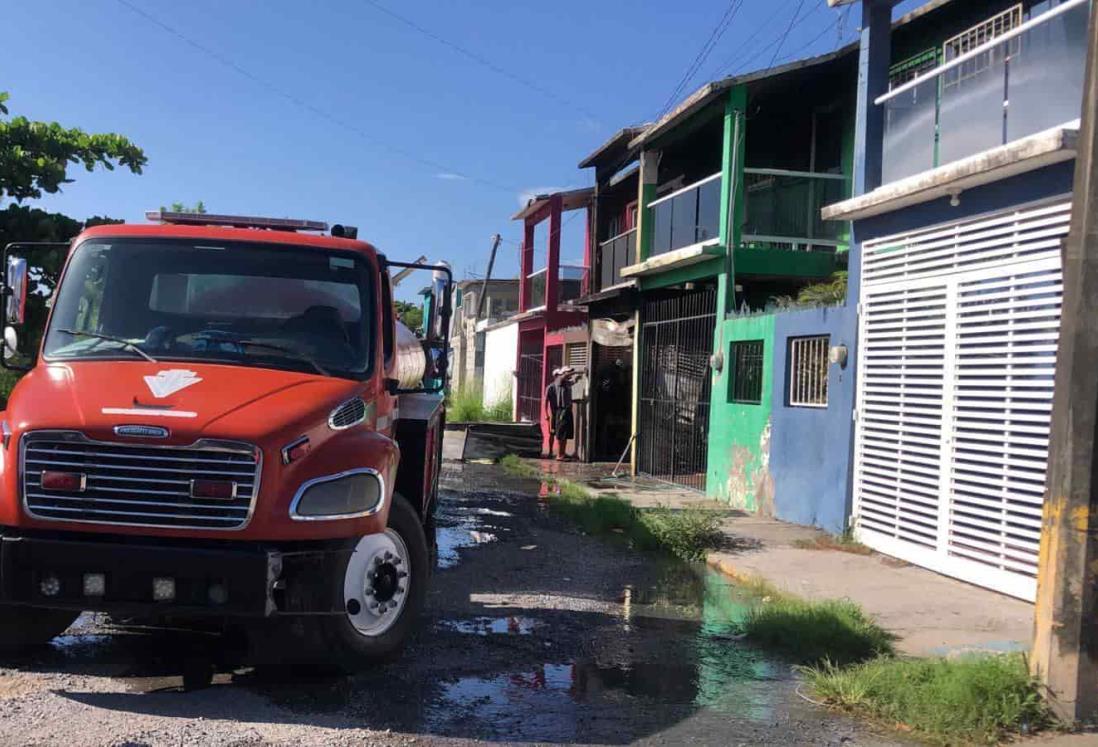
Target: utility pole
x=1065 y=646
x=487 y=276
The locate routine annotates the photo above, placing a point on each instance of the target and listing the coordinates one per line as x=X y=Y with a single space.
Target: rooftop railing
x=688 y=216
x=614 y=254
x=1024 y=81
x=782 y=209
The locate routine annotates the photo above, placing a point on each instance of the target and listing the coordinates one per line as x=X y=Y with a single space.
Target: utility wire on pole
x=1065 y=646
x=487 y=276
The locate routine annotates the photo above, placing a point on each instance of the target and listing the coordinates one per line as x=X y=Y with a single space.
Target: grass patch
x=514 y=465
x=844 y=542
x=979 y=699
x=466 y=405
x=812 y=632
x=686 y=533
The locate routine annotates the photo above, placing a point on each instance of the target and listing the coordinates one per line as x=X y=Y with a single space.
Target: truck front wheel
x=384 y=586
x=23 y=627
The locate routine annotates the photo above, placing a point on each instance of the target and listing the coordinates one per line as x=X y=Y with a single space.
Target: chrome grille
x=350 y=413
x=139 y=485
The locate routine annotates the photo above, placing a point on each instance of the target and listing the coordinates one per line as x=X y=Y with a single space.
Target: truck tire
x=384 y=586
x=24 y=627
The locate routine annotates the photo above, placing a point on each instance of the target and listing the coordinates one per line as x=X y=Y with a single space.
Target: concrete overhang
x=689 y=255
x=1025 y=154
x=573 y=199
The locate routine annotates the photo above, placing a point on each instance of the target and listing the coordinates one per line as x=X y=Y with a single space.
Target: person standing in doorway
x=558 y=410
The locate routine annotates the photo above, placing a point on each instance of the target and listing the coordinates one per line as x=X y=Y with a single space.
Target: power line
x=300 y=103
x=479 y=59
x=788 y=28
x=740 y=50
x=739 y=61
x=703 y=54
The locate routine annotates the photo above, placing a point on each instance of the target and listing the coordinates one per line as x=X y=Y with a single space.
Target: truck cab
x=223 y=421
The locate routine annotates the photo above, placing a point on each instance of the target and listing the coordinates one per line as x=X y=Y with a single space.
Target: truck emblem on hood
x=170 y=382
x=142 y=431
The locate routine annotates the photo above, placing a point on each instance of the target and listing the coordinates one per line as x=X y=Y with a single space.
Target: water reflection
x=674 y=646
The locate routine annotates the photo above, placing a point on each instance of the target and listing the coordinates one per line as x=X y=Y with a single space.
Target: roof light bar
x=236 y=221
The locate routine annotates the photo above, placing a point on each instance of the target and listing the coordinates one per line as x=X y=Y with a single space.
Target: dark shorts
x=563 y=425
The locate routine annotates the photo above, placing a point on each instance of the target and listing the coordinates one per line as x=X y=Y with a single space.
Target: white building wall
x=500 y=354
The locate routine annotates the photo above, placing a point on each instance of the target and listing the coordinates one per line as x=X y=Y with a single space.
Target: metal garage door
x=958 y=327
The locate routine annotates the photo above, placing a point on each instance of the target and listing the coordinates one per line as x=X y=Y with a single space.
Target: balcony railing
x=688 y=216
x=783 y=208
x=570 y=286
x=614 y=254
x=1022 y=82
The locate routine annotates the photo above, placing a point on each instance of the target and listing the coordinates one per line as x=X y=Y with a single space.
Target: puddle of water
x=493 y=625
x=452 y=539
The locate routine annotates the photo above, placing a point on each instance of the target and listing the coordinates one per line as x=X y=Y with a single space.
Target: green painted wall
x=739 y=434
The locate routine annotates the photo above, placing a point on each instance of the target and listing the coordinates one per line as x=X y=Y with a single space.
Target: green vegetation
x=979 y=699
x=410 y=315
x=466 y=405
x=35 y=156
x=811 y=632
x=844 y=542
x=179 y=207
x=686 y=533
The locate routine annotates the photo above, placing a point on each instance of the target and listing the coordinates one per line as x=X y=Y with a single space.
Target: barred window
x=808 y=371
x=745 y=362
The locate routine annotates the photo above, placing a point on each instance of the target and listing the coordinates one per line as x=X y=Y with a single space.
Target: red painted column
x=552 y=276
x=526 y=264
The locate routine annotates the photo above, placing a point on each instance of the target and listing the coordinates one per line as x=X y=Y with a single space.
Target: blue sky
x=336 y=110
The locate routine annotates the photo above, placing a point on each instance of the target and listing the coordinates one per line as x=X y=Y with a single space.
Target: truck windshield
x=245 y=304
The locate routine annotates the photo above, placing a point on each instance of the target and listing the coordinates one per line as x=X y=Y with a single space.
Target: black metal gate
x=676 y=340
x=529 y=387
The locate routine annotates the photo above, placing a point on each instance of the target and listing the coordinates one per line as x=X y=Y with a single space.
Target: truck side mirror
x=16 y=292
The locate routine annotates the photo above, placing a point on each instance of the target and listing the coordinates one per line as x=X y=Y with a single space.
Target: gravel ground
x=532 y=633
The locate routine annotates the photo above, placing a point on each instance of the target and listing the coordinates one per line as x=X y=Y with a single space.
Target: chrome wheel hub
x=377 y=582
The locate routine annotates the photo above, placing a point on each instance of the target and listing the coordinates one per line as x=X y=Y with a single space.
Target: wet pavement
x=532 y=633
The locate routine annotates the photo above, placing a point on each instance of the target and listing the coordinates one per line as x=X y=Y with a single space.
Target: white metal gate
x=958 y=327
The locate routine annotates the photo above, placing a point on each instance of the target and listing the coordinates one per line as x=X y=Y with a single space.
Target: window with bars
x=745 y=363
x=808 y=360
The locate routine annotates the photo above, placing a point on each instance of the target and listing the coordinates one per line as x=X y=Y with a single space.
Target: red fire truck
x=223 y=422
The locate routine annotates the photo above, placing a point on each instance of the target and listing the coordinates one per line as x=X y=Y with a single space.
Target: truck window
x=388 y=347
x=247 y=304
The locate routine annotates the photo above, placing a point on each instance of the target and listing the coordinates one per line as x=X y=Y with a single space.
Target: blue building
x=967 y=118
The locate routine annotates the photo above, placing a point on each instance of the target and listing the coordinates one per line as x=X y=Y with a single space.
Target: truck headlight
x=357 y=492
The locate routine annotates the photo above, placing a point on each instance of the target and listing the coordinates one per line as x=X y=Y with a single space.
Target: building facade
x=472 y=317
x=963 y=201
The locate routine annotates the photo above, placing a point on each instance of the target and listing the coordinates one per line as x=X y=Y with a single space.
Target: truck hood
x=190 y=399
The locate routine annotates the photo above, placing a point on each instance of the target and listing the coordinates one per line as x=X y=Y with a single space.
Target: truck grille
x=139 y=485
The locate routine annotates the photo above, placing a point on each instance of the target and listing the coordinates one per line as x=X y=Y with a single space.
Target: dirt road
x=532 y=633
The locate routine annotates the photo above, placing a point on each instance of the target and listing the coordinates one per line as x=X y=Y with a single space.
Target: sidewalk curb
x=723 y=566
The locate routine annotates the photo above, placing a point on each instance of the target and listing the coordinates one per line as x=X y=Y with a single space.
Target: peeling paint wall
x=740 y=433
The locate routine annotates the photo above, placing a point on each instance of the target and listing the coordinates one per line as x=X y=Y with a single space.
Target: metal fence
x=808 y=371
x=529 y=387
x=673 y=430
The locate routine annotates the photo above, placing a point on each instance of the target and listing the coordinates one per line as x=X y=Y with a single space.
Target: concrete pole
x=1065 y=646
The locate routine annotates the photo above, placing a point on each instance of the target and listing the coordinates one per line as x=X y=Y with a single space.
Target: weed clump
x=812 y=632
x=979 y=699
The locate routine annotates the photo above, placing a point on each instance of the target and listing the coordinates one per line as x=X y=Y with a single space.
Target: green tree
x=179 y=207
x=35 y=156
x=410 y=314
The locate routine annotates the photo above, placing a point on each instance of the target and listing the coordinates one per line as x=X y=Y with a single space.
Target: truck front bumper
x=124 y=576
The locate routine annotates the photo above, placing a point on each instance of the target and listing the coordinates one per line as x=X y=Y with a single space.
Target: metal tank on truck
x=224 y=421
